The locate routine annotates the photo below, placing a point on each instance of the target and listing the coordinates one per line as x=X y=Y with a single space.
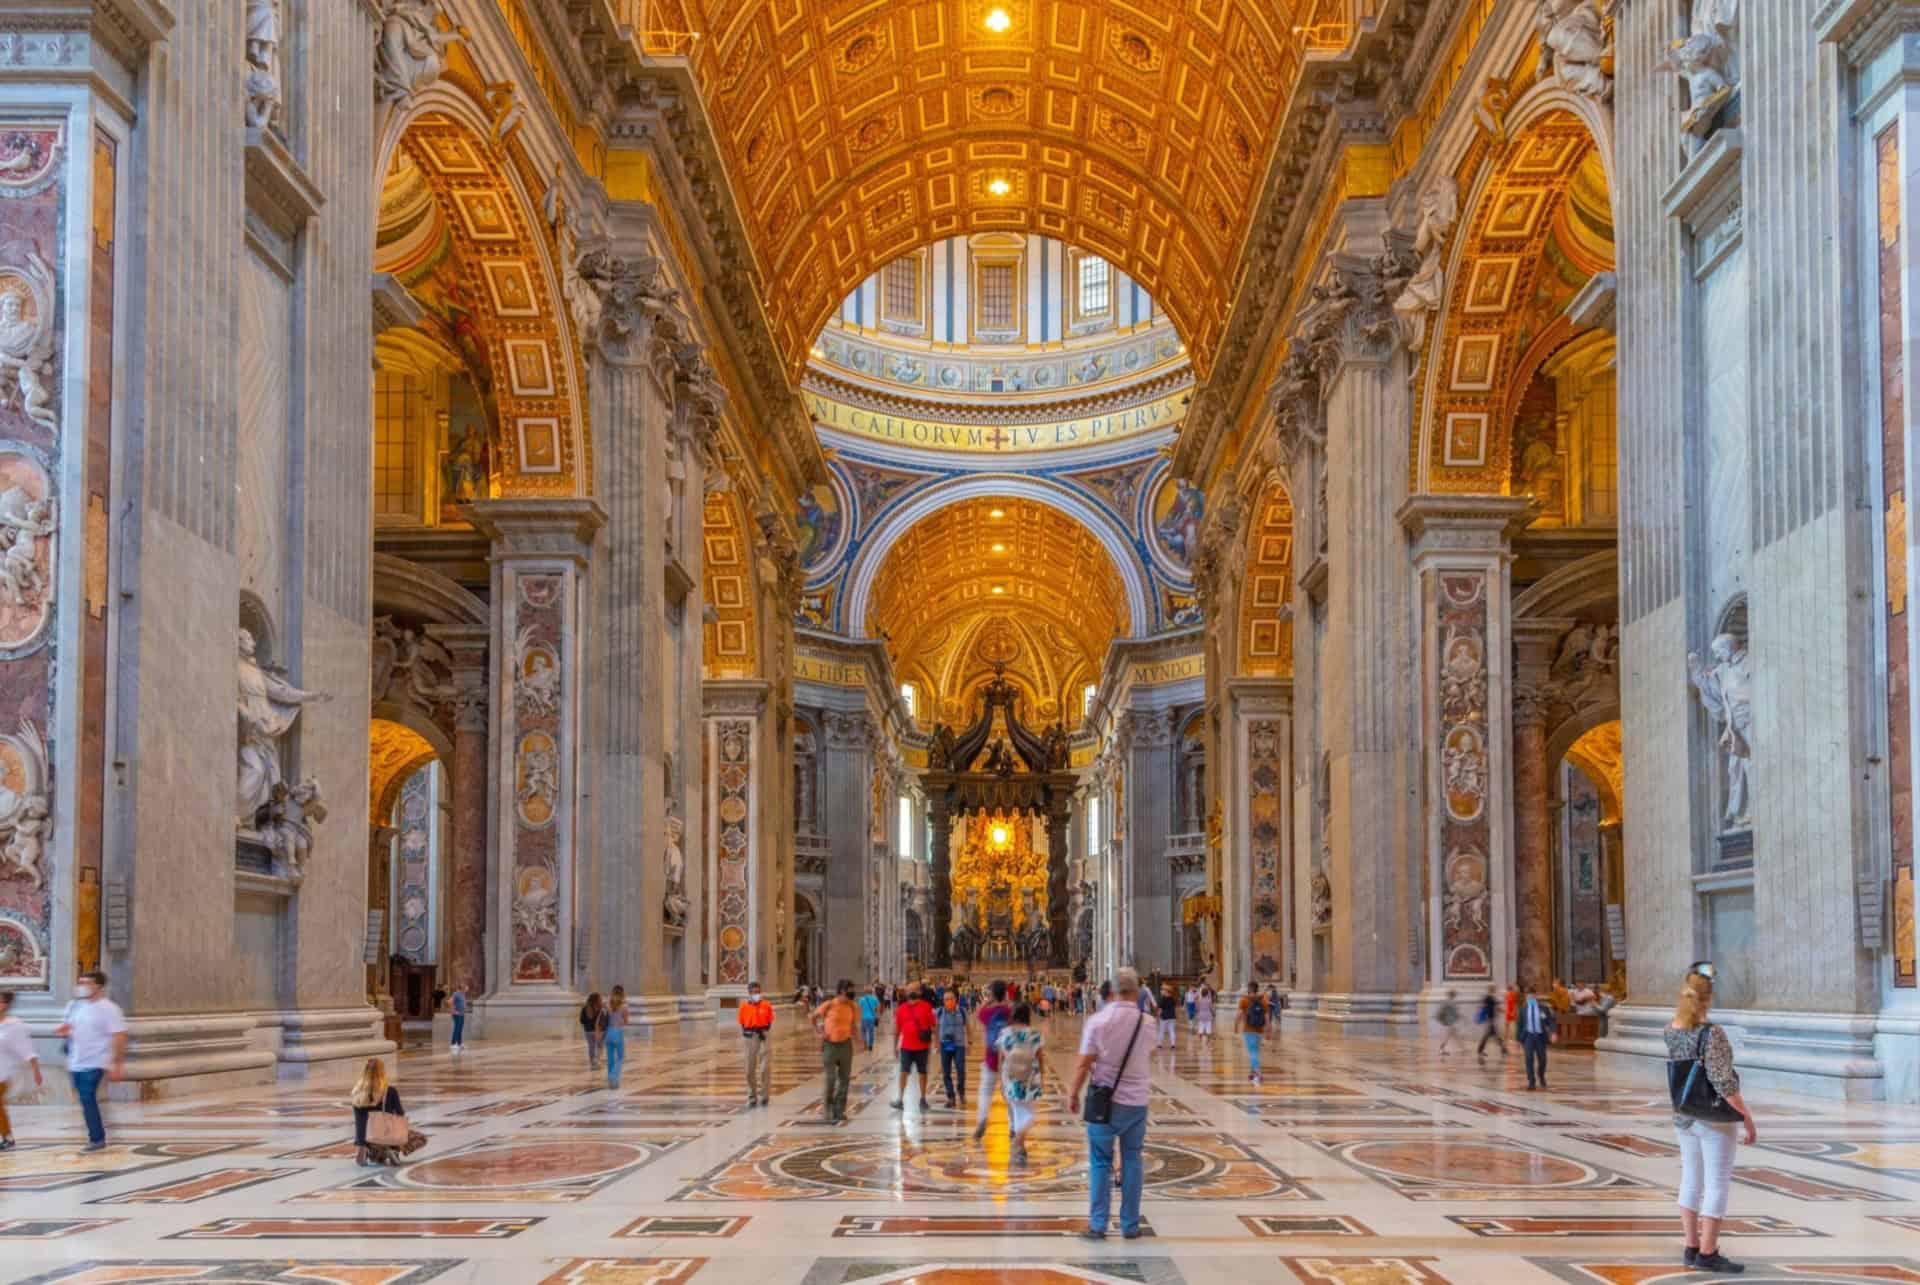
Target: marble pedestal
x=1823 y=1055
x=1368 y=1014
x=522 y=1015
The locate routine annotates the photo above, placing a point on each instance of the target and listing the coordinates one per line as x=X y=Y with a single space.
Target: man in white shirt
x=16 y=1051
x=96 y=1034
x=1108 y=1055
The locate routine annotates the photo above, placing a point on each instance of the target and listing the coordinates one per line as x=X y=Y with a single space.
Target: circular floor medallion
x=521 y=1164
x=1472 y=1164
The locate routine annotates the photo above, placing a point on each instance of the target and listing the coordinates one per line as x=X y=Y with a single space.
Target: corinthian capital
x=625 y=304
x=1350 y=320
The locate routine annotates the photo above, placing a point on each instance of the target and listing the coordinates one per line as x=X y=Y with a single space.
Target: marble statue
x=1322 y=899
x=263 y=63
x=412 y=51
x=1426 y=291
x=905 y=369
x=1726 y=688
x=24 y=811
x=676 y=901
x=26 y=336
x=1704 y=61
x=290 y=817
x=24 y=524
x=1573 y=46
x=268 y=707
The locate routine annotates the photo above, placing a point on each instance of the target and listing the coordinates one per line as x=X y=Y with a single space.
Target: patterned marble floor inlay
x=358 y=1229
x=1357 y=1162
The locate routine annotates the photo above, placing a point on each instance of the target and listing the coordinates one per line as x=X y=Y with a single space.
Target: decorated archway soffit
x=1266 y=616
x=475 y=265
x=1538 y=232
x=730 y=648
x=962 y=590
x=395 y=752
x=853 y=133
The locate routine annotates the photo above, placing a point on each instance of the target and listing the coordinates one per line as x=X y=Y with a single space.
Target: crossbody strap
x=1121 y=1070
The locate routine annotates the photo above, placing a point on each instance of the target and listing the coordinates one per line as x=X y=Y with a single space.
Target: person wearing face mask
x=756 y=1019
x=96 y=1035
x=953 y=1048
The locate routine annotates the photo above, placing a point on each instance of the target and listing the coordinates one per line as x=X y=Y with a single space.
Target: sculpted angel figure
x=1726 y=688
x=263 y=62
x=268 y=706
x=1426 y=290
x=412 y=51
x=26 y=347
x=1704 y=60
x=1573 y=46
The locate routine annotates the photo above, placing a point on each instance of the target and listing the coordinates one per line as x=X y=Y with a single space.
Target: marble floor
x=1375 y=1162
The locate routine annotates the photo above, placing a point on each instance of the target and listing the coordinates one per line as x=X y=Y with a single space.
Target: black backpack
x=1256 y=1018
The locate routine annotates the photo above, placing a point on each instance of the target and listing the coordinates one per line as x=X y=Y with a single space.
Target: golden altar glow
x=1031 y=589
x=854 y=134
x=998 y=871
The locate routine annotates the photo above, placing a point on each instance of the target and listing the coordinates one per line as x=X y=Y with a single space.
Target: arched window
x=910 y=700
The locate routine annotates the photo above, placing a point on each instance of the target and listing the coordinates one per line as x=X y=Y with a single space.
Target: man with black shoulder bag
x=1116 y=1104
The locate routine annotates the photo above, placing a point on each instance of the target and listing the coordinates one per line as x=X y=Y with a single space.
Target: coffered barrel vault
x=854 y=132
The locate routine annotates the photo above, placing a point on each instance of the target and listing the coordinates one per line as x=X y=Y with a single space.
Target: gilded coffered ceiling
x=855 y=130
x=1031 y=589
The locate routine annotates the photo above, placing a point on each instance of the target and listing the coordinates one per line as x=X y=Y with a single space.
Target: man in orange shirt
x=756 y=1019
x=834 y=1020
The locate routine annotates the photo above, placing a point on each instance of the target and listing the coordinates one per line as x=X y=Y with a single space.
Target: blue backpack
x=997 y=1025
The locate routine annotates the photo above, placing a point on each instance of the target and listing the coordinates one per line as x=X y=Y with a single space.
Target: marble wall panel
x=1466 y=751
x=541 y=691
x=733 y=815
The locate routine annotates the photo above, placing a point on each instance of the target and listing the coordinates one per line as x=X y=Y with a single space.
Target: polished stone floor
x=1375 y=1162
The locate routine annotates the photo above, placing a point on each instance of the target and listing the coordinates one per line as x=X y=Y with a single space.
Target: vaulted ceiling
x=856 y=130
x=963 y=590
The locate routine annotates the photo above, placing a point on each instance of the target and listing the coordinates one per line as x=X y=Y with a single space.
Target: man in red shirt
x=756 y=1019
x=914 y=1020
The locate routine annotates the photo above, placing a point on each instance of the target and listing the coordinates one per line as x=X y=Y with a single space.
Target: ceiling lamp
x=999 y=548
x=998 y=20
x=998 y=187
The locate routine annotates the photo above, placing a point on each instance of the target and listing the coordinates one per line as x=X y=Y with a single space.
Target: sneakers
x=980 y=1131
x=95 y=1146
x=1718 y=1262
x=925 y=1106
x=6 y=1144
x=895 y=1104
x=1691 y=1257
x=1091 y=1234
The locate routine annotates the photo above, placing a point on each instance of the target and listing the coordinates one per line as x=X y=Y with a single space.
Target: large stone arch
x=1487 y=339
x=542 y=443
x=1113 y=537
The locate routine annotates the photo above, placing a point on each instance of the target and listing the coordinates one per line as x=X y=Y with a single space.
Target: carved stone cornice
x=1147 y=729
x=1863 y=28
x=1025 y=411
x=128 y=28
x=1334 y=97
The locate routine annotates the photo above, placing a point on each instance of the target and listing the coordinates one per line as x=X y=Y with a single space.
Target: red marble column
x=467 y=900
x=1532 y=844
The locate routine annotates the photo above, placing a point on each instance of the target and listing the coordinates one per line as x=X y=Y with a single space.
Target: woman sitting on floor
x=373 y=1093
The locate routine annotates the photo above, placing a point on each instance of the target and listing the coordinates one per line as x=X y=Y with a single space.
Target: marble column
x=631 y=379
x=1460 y=558
x=734 y=872
x=1534 y=645
x=380 y=899
x=1059 y=854
x=541 y=549
x=467 y=861
x=846 y=783
x=940 y=879
x=1345 y=363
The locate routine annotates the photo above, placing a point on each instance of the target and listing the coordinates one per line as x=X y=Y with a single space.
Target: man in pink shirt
x=1110 y=1054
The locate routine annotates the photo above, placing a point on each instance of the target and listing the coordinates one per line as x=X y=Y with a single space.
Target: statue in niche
x=268 y=707
x=1704 y=61
x=1725 y=688
x=1322 y=899
x=676 y=900
x=463 y=467
x=999 y=757
x=412 y=51
x=1426 y=290
x=1059 y=751
x=288 y=821
x=263 y=63
x=26 y=337
x=1573 y=46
